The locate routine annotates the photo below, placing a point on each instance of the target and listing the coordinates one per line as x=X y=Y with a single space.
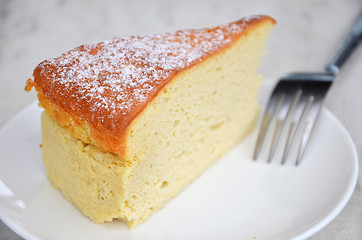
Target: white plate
x=235 y=199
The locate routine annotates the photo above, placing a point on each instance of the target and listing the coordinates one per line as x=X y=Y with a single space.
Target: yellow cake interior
x=198 y=117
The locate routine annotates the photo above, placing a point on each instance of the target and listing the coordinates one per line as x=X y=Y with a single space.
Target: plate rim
x=349 y=191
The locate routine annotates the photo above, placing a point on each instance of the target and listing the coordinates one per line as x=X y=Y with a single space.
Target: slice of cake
x=130 y=122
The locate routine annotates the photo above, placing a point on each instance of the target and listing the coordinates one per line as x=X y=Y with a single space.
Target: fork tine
x=311 y=120
x=273 y=105
x=262 y=132
x=302 y=104
x=276 y=136
x=290 y=138
x=284 y=112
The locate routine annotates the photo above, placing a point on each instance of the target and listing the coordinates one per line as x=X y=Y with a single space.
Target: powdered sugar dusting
x=252 y=17
x=111 y=80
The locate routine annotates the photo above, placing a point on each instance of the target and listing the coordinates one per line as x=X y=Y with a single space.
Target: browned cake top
x=108 y=84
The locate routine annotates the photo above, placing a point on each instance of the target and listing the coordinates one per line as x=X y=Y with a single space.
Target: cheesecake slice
x=130 y=122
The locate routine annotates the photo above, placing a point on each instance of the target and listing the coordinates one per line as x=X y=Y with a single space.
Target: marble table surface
x=305 y=38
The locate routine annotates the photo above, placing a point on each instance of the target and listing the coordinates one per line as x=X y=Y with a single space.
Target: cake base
x=96 y=182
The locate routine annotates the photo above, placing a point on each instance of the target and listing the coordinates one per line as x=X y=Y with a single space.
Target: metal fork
x=300 y=96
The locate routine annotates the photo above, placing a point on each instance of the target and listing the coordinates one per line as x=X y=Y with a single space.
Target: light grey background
x=304 y=39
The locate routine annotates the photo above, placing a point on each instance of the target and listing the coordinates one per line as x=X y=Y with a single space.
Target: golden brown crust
x=29 y=85
x=70 y=86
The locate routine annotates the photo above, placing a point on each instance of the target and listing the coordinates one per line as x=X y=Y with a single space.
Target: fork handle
x=345 y=49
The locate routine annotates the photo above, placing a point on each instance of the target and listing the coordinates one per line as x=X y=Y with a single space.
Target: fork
x=299 y=97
